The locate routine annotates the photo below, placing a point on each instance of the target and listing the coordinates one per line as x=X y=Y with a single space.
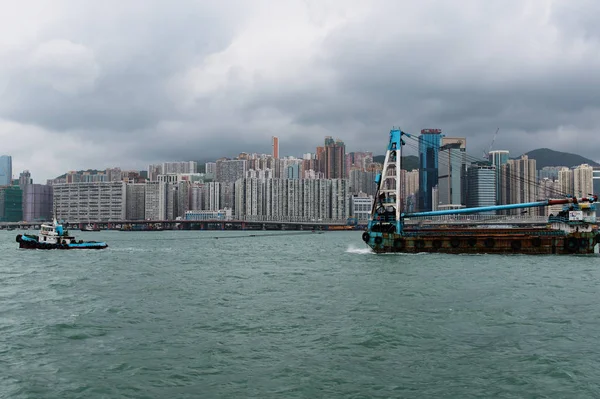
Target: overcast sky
x=96 y=84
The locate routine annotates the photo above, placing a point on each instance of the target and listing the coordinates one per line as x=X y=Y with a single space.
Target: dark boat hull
x=31 y=242
x=480 y=241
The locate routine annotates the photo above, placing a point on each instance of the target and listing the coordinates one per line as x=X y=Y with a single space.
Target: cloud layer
x=101 y=84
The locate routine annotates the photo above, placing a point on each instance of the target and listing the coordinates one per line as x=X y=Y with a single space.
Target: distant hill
x=409 y=162
x=547 y=157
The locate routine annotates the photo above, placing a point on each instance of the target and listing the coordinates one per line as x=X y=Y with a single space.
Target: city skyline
x=86 y=87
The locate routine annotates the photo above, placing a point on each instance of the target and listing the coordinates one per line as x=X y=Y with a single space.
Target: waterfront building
x=154 y=201
x=361 y=207
x=196 y=197
x=5 y=170
x=11 y=204
x=37 y=202
x=583 y=181
x=227 y=195
x=481 y=183
x=135 y=200
x=203 y=215
x=429 y=146
x=291 y=199
x=84 y=202
x=212 y=196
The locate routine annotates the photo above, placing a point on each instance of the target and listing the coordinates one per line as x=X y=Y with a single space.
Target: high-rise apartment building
x=583 y=183
x=286 y=199
x=362 y=182
x=565 y=181
x=210 y=169
x=275 y=145
x=334 y=159
x=519 y=183
x=154 y=200
x=135 y=201
x=228 y=171
x=429 y=147
x=5 y=170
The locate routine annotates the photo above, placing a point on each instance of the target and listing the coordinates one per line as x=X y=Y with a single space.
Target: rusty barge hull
x=483 y=241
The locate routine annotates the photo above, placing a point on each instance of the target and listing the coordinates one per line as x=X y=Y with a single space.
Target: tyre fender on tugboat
x=366 y=236
x=19 y=237
x=572 y=244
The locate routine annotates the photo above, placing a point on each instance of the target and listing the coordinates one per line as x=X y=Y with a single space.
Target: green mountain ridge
x=543 y=156
x=547 y=157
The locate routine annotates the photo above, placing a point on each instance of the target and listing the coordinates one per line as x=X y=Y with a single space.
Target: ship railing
x=476 y=219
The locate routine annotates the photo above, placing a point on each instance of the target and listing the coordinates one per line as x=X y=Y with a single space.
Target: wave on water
x=353 y=250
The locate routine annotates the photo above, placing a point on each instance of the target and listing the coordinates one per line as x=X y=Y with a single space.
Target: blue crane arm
x=478 y=209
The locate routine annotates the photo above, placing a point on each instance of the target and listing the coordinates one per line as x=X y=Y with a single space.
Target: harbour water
x=184 y=315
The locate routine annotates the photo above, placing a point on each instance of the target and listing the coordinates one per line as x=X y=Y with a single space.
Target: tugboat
x=53 y=236
x=571 y=231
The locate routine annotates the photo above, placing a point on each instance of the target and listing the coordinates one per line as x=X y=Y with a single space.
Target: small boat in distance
x=90 y=227
x=53 y=236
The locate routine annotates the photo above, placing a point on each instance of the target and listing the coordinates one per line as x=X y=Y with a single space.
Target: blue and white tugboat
x=53 y=236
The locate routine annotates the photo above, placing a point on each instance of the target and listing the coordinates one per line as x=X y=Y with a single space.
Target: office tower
x=37 y=202
x=497 y=159
x=452 y=171
x=5 y=170
x=275 y=145
x=429 y=146
x=481 y=183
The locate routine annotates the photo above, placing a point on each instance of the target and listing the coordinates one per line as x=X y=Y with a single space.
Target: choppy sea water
x=185 y=315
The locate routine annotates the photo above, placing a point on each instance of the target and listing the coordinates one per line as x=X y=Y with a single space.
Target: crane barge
x=572 y=231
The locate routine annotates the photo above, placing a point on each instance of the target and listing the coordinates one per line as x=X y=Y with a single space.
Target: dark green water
x=302 y=316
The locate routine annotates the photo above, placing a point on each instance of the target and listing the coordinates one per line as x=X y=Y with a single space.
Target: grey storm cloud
x=100 y=84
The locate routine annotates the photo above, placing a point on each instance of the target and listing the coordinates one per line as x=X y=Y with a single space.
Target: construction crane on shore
x=486 y=154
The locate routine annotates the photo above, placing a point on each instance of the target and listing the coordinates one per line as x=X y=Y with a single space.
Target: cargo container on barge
x=572 y=231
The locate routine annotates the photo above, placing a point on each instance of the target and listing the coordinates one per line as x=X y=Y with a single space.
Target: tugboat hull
x=32 y=242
